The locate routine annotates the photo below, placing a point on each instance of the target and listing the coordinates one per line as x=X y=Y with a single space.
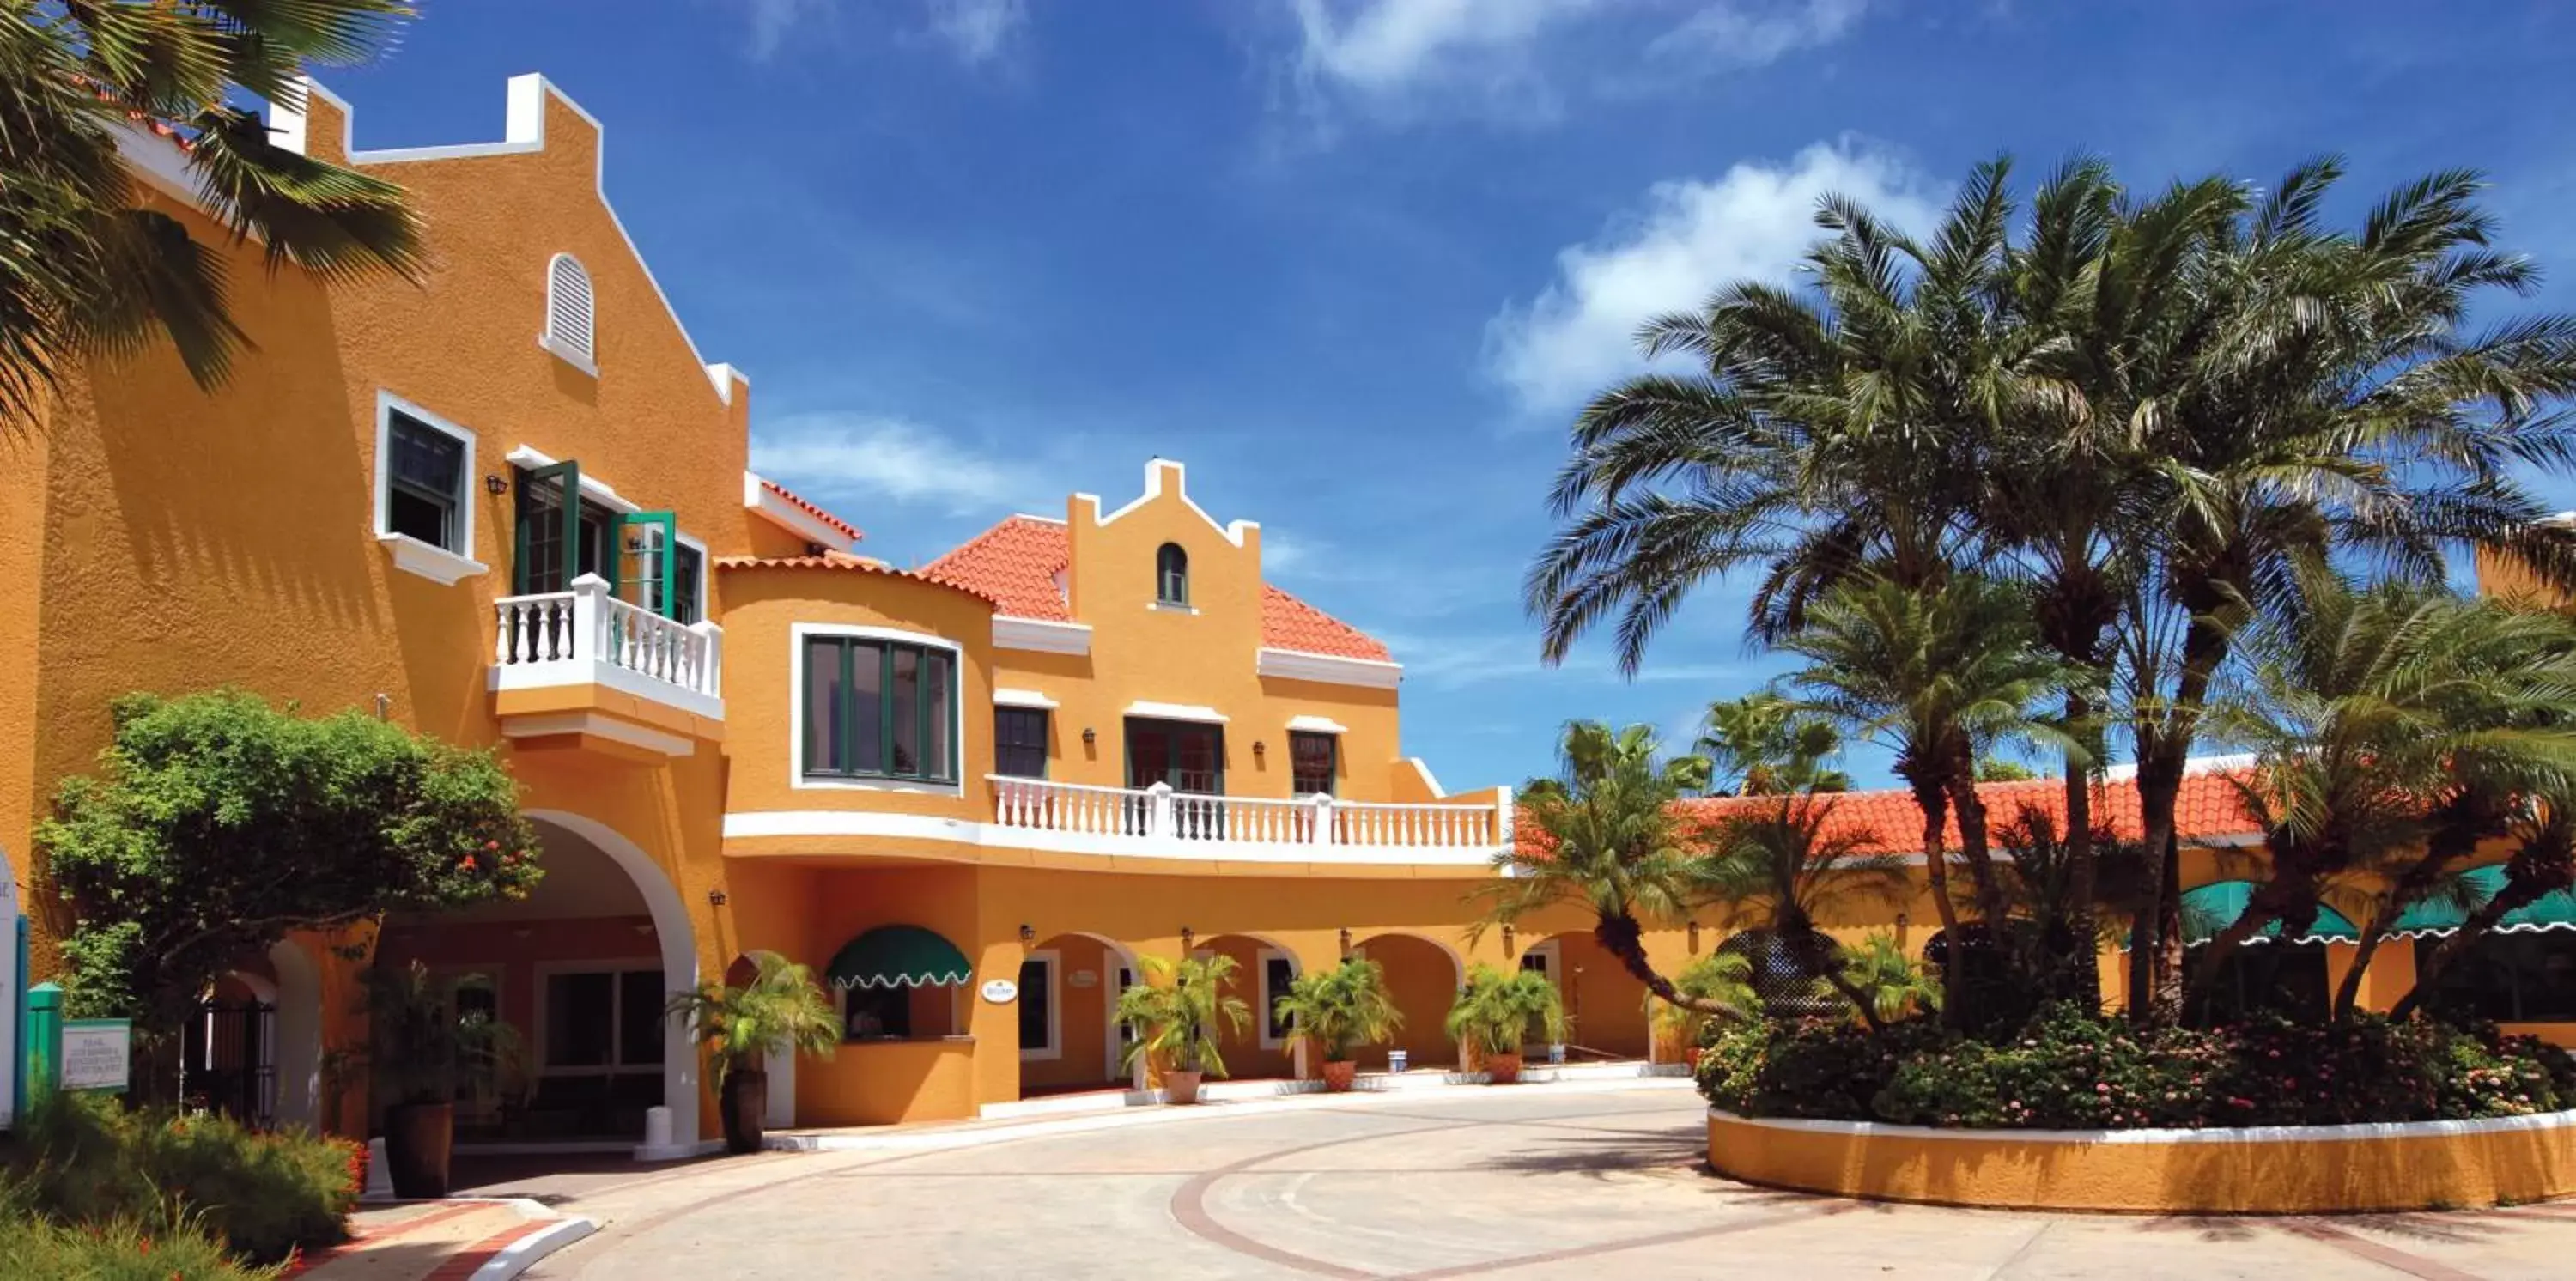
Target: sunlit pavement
x=1505 y=1182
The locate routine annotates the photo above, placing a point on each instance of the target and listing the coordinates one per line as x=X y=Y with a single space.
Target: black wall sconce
x=1259 y=747
x=1088 y=737
x=1346 y=944
x=494 y=485
x=1028 y=936
x=1507 y=942
x=715 y=898
x=1694 y=936
x=1186 y=938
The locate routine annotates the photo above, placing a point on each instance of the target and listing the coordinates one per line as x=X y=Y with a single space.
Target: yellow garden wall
x=2277 y=1170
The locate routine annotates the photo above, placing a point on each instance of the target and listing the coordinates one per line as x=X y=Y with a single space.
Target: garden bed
x=2421 y=1165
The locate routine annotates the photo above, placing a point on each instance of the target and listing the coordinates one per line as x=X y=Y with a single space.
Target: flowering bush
x=123 y=1250
x=88 y=1161
x=2070 y=1069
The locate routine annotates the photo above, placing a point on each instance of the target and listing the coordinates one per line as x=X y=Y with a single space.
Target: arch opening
x=1605 y=1008
x=1422 y=977
x=1069 y=1037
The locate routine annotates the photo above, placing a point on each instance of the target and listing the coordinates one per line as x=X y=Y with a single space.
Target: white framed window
x=1041 y=1006
x=1277 y=970
x=571 y=314
x=876 y=709
x=425 y=481
x=599 y=1018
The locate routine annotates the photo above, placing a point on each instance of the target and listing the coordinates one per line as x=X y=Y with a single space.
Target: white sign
x=1001 y=991
x=97 y=1053
x=1084 y=978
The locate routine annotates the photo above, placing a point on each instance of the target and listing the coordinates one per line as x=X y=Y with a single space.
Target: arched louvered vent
x=569 y=312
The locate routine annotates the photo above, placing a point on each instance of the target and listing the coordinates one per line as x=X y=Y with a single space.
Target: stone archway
x=1605 y=1008
x=1423 y=976
x=1263 y=968
x=1071 y=981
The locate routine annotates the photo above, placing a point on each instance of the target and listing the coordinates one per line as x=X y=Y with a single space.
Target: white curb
x=520 y=1255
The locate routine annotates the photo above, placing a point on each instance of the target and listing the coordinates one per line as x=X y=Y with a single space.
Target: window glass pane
x=1036 y=992
x=541 y=534
x=687 y=568
x=867 y=724
x=1198 y=759
x=424 y=457
x=1277 y=974
x=410 y=512
x=598 y=547
x=878 y=1013
x=936 y=710
x=1020 y=742
x=579 y=1019
x=1310 y=759
x=825 y=735
x=904 y=699
x=639 y=1017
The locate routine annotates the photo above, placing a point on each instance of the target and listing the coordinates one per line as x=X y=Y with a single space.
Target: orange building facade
x=510 y=506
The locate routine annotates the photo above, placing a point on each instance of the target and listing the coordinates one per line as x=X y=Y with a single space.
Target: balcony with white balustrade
x=583 y=662
x=1158 y=822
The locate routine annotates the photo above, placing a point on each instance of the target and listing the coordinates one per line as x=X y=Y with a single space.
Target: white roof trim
x=1234 y=533
x=1023 y=698
x=592 y=487
x=1175 y=712
x=765 y=503
x=1423 y=767
x=1317 y=725
x=1301 y=665
x=1044 y=635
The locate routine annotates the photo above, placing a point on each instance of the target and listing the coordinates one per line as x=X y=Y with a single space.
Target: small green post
x=44 y=1039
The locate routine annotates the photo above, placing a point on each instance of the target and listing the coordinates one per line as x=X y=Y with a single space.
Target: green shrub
x=84 y=1160
x=121 y=1250
x=2071 y=1069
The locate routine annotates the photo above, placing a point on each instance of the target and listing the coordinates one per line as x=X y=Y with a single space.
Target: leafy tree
x=1762 y=745
x=1611 y=842
x=216 y=825
x=88 y=264
x=1999 y=769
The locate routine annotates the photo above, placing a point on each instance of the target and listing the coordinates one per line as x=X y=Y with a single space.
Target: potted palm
x=780 y=1008
x=1497 y=1010
x=426 y=1048
x=1337 y=1009
x=1177 y=1024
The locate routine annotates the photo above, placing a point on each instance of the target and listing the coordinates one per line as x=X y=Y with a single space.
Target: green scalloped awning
x=2215 y=906
x=898 y=956
x=2444 y=912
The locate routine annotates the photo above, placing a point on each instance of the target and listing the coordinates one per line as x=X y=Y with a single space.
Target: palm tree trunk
x=2155 y=955
x=2348 y=993
x=1992 y=906
x=1929 y=798
x=1624 y=939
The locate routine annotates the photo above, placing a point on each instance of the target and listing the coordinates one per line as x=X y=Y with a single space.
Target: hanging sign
x=1084 y=978
x=1001 y=991
x=98 y=1054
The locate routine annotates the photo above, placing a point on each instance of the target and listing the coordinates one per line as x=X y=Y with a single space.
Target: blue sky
x=1354 y=261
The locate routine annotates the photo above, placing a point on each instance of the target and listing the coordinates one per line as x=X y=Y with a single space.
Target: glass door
x=1188 y=756
x=546 y=554
x=647 y=560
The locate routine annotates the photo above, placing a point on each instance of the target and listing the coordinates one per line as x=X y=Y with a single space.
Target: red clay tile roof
x=2207 y=810
x=842 y=527
x=1016 y=563
x=860 y=563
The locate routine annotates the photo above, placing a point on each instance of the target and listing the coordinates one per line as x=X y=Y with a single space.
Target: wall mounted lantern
x=1346 y=944
x=1088 y=736
x=1186 y=938
x=1507 y=942
x=1694 y=936
x=1028 y=936
x=716 y=897
x=494 y=485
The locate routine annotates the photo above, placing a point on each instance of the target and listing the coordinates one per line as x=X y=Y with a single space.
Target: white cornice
x=1302 y=665
x=1154 y=711
x=593 y=489
x=1046 y=636
x=764 y=502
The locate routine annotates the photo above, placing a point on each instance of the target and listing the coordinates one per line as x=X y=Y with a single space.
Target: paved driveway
x=1535 y=1181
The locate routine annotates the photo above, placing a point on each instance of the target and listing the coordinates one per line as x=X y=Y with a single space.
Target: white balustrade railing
x=1159 y=815
x=567 y=637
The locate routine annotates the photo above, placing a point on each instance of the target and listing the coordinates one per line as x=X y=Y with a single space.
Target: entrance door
x=1544 y=959
x=1120 y=1035
x=1187 y=755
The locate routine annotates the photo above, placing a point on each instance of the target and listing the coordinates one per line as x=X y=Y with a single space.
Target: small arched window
x=1171 y=575
x=569 y=311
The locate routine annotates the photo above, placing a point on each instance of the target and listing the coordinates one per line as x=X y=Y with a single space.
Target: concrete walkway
x=464 y=1239
x=1538 y=1181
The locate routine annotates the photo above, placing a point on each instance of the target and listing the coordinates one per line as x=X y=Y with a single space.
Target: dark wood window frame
x=1300 y=742
x=1020 y=741
x=1171 y=575
x=928 y=713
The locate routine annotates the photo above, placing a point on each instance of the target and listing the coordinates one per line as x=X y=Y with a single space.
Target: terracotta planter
x=419 y=1137
x=1181 y=1087
x=1502 y=1069
x=744 y=1103
x=1338 y=1076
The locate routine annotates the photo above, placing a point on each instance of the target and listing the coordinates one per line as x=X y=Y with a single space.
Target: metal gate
x=232 y=1060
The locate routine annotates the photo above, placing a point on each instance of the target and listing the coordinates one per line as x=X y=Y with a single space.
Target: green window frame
x=901 y=725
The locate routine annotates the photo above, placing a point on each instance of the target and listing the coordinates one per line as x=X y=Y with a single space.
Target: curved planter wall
x=2272 y=1170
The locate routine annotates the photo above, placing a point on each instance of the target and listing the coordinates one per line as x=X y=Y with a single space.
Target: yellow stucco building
x=510 y=506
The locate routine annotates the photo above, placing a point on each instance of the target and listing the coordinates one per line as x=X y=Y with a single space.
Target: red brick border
x=463 y=1265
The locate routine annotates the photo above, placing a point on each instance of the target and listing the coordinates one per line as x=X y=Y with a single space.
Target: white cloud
x=1758 y=34
x=1692 y=236
x=977 y=29
x=833 y=455
x=771 y=20
x=1383 y=45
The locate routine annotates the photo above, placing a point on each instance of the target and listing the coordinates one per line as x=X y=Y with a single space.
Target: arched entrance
x=1605 y=1009
x=581 y=968
x=1069 y=985
x=1423 y=977
x=1262 y=971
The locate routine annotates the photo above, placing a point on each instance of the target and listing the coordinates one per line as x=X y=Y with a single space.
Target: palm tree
x=1885 y=984
x=1762 y=745
x=1609 y=840
x=1336 y=1009
x=88 y=265
x=2396 y=730
x=1940 y=676
x=1181 y=1021
x=1778 y=870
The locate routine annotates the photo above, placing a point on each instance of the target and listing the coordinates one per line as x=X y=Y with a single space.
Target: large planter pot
x=1502 y=1069
x=419 y=1137
x=1181 y=1087
x=745 y=1104
x=1338 y=1076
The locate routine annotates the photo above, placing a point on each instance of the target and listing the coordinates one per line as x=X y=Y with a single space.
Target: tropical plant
x=1777 y=868
x=1610 y=841
x=1762 y=744
x=1180 y=1011
x=782 y=1008
x=90 y=263
x=426 y=1044
x=1499 y=1008
x=1722 y=977
x=1336 y=1009
x=218 y=824
x=1885 y=984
